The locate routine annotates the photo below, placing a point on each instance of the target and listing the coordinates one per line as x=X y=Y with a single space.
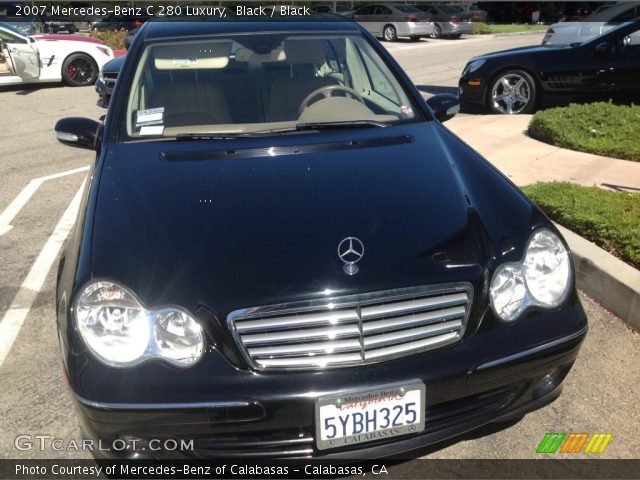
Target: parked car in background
x=447 y=20
x=239 y=276
x=109 y=73
x=392 y=21
x=58 y=25
x=523 y=79
x=567 y=33
x=339 y=9
x=473 y=12
x=116 y=23
x=107 y=80
x=74 y=59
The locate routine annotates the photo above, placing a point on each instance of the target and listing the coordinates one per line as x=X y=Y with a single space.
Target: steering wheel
x=327 y=92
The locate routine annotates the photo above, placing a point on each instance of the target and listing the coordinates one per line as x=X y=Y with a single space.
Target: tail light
x=455 y=20
x=413 y=19
x=548 y=35
x=136 y=23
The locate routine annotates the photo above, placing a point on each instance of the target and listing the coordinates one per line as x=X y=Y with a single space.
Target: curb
x=505 y=34
x=609 y=281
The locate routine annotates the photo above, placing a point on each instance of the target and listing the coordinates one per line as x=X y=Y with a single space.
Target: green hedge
x=115 y=40
x=609 y=219
x=600 y=128
x=482 y=28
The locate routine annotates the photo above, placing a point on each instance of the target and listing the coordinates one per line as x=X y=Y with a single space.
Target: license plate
x=383 y=412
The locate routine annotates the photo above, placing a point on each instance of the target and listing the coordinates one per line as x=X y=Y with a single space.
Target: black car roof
x=179 y=29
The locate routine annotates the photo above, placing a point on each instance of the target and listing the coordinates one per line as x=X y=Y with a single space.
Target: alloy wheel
x=389 y=34
x=80 y=71
x=511 y=94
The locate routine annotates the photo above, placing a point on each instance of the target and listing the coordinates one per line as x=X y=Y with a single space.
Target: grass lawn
x=609 y=219
x=484 y=29
x=600 y=128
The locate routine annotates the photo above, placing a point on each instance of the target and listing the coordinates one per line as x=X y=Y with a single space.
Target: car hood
x=520 y=51
x=115 y=65
x=50 y=37
x=241 y=223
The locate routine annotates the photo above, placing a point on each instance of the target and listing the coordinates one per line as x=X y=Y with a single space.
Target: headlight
x=106 y=50
x=120 y=332
x=474 y=65
x=541 y=279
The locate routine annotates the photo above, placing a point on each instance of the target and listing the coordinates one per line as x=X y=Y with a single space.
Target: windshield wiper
x=297 y=128
x=208 y=136
x=337 y=125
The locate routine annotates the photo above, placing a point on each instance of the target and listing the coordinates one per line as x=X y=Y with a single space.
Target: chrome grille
x=352 y=330
x=110 y=79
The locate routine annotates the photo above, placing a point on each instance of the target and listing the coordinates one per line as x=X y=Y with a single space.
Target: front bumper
x=104 y=93
x=490 y=375
x=471 y=89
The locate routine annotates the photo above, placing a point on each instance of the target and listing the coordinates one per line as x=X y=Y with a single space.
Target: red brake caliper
x=71 y=71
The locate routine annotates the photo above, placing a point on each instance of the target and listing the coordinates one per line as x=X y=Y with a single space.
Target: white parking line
x=12 y=320
x=25 y=195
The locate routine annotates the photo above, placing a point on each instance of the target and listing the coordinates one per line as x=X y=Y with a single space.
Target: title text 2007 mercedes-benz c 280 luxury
x=282 y=252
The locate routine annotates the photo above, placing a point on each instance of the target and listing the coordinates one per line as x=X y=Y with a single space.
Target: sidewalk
x=503 y=141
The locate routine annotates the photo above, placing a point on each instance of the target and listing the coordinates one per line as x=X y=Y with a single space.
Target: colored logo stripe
x=550 y=442
x=574 y=442
x=598 y=442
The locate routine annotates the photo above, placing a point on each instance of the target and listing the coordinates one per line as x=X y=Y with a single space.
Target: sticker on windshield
x=149 y=116
x=152 y=130
x=406 y=110
x=185 y=62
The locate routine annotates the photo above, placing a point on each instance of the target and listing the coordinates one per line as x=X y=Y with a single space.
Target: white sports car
x=74 y=59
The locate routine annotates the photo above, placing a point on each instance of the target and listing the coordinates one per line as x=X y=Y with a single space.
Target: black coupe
x=523 y=79
x=282 y=252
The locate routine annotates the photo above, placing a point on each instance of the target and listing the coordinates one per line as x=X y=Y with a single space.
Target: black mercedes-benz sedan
x=282 y=252
x=522 y=80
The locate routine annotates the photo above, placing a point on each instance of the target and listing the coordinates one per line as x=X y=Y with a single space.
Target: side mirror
x=602 y=50
x=445 y=106
x=78 y=132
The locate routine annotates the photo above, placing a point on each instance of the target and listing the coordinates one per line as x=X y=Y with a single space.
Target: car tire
x=79 y=70
x=512 y=92
x=389 y=33
x=437 y=31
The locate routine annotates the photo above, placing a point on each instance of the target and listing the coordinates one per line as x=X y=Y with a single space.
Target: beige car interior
x=204 y=87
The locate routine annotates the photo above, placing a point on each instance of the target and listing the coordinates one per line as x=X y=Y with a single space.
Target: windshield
x=255 y=83
x=449 y=9
x=11 y=28
x=408 y=9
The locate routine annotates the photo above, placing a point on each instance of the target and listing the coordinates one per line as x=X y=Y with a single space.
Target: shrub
x=115 y=40
x=609 y=219
x=599 y=128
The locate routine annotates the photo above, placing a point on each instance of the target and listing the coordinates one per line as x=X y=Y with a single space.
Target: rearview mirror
x=602 y=49
x=77 y=132
x=445 y=106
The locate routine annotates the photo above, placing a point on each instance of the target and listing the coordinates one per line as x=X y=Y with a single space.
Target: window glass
x=366 y=10
x=382 y=10
x=10 y=35
x=408 y=9
x=252 y=83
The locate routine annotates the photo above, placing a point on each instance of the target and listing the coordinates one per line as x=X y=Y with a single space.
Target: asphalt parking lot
x=40 y=179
